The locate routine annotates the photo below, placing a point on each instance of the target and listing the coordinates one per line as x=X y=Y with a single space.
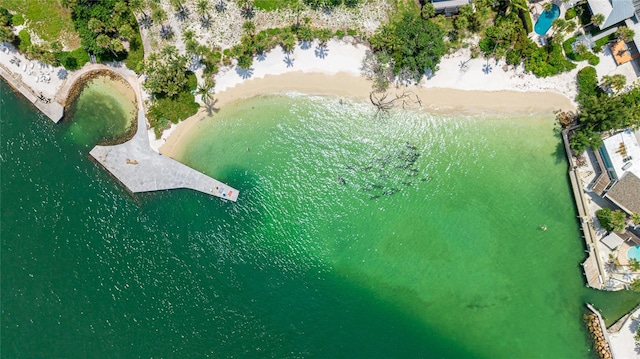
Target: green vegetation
x=17 y=20
x=612 y=220
x=172 y=87
x=600 y=43
x=46 y=18
x=166 y=110
x=72 y=60
x=600 y=111
x=570 y=14
x=24 y=40
x=271 y=5
x=99 y=23
x=6 y=32
x=317 y=4
x=507 y=38
x=580 y=53
x=410 y=45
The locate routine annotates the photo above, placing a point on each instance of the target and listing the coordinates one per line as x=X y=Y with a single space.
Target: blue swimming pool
x=546 y=19
x=634 y=253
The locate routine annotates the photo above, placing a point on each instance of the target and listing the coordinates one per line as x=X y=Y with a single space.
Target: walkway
x=623 y=344
x=136 y=165
x=593 y=266
x=141 y=169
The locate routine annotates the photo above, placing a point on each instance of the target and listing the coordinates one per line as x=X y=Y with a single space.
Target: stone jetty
x=597 y=329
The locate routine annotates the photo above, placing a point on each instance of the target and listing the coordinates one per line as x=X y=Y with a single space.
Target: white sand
x=33 y=75
x=339 y=74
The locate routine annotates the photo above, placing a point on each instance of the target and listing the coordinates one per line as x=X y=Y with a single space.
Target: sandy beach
x=451 y=90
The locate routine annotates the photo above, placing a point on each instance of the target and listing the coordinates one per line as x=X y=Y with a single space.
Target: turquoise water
x=634 y=253
x=546 y=20
x=452 y=266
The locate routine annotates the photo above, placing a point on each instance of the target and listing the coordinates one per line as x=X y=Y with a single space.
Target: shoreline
x=444 y=101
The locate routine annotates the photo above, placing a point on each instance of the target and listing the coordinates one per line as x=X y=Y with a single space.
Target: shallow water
x=448 y=261
x=105 y=110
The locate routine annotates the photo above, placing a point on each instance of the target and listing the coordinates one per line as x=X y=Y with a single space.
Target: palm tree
x=158 y=15
x=202 y=7
x=547 y=6
x=166 y=32
x=428 y=11
x=615 y=82
x=145 y=19
x=220 y=6
x=126 y=32
x=625 y=34
x=95 y=25
x=297 y=7
x=597 y=19
x=246 y=8
x=635 y=218
x=249 y=27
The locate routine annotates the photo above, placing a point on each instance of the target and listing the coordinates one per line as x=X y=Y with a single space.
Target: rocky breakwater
x=599 y=342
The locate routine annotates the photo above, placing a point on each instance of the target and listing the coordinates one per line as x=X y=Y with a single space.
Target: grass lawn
x=270 y=5
x=47 y=19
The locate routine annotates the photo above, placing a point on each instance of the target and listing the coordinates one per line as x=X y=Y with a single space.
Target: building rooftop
x=626 y=193
x=621 y=154
x=612 y=240
x=614 y=11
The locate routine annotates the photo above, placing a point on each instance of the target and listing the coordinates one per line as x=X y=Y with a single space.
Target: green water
x=430 y=256
x=105 y=110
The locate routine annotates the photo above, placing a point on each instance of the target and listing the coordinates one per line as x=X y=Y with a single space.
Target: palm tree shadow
x=321 y=51
x=261 y=56
x=289 y=61
x=244 y=73
x=209 y=106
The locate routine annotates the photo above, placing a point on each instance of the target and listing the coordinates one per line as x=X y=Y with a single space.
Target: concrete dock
x=141 y=169
x=593 y=267
x=134 y=163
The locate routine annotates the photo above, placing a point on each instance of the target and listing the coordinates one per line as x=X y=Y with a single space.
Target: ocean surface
x=407 y=235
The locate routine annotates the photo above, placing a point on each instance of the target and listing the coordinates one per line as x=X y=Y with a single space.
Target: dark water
x=299 y=267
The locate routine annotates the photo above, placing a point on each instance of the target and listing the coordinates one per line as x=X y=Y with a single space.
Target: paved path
x=52 y=109
x=623 y=344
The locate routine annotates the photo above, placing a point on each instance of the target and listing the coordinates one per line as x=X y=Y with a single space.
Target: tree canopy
x=411 y=45
x=166 y=72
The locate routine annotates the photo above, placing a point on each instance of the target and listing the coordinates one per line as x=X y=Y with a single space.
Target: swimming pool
x=634 y=253
x=546 y=19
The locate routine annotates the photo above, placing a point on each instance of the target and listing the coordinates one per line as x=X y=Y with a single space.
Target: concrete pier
x=134 y=163
x=141 y=169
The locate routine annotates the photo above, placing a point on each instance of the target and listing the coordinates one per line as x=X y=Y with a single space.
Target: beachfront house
x=614 y=11
x=620 y=156
x=617 y=13
x=450 y=7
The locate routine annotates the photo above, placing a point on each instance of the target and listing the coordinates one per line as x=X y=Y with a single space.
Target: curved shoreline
x=446 y=101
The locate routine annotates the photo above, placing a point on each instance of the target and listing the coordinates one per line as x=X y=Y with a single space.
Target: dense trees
x=612 y=220
x=166 y=72
x=410 y=45
x=6 y=32
x=172 y=87
x=599 y=111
